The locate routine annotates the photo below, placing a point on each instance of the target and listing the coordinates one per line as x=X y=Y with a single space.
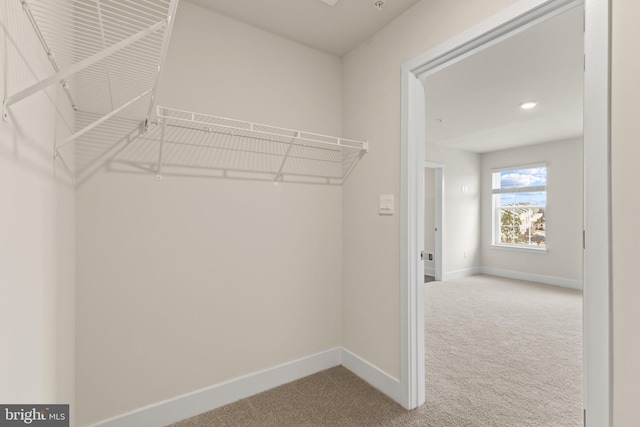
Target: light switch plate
x=386 y=204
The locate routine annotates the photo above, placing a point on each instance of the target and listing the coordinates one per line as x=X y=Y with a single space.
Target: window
x=519 y=206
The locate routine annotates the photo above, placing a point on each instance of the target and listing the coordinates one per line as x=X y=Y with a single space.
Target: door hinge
x=423 y=256
x=584 y=417
x=584 y=239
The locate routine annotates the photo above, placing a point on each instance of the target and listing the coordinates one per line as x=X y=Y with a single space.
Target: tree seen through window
x=520 y=200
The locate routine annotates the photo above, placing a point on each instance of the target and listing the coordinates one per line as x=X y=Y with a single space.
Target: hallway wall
x=37 y=226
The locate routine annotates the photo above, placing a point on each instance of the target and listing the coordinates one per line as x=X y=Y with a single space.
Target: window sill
x=514 y=248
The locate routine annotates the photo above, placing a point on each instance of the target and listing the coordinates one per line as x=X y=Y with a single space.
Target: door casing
x=597 y=205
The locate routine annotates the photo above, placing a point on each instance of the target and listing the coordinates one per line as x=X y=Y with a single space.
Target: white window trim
x=519 y=248
x=495 y=232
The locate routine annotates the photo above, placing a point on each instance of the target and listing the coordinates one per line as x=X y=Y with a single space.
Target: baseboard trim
x=429 y=271
x=372 y=375
x=459 y=274
x=197 y=402
x=530 y=277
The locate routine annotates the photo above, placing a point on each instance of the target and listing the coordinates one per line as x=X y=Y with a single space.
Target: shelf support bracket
x=96 y=123
x=163 y=131
x=78 y=66
x=286 y=156
x=104 y=46
x=50 y=54
x=173 y=7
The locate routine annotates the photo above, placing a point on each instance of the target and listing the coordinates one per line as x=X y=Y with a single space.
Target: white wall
x=371 y=274
x=37 y=242
x=186 y=283
x=461 y=221
x=563 y=259
x=625 y=206
x=371 y=98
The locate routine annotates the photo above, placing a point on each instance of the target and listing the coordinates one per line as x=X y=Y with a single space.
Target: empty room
x=503 y=331
x=210 y=213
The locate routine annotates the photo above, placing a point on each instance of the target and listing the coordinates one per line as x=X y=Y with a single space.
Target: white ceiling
x=471 y=105
x=334 y=29
x=474 y=104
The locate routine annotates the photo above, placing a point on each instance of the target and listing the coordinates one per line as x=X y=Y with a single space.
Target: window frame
x=495 y=207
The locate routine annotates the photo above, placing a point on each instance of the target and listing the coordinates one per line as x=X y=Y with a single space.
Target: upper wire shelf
x=106 y=54
x=243 y=146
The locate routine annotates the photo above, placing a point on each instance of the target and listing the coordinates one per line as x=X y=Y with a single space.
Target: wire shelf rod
x=27 y=8
x=127 y=23
x=151 y=166
x=126 y=86
x=78 y=34
x=173 y=7
x=104 y=46
x=141 y=4
x=142 y=55
x=340 y=142
x=190 y=116
x=351 y=167
x=80 y=9
x=125 y=83
x=80 y=14
x=66 y=23
x=88 y=22
x=99 y=121
x=82 y=36
x=139 y=16
x=72 y=11
x=137 y=8
x=125 y=61
x=134 y=71
x=80 y=65
x=284 y=161
x=172 y=140
x=140 y=52
x=162 y=5
x=132 y=87
x=163 y=132
x=208 y=130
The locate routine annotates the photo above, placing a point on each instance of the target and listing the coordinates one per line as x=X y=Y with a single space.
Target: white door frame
x=597 y=262
x=438 y=196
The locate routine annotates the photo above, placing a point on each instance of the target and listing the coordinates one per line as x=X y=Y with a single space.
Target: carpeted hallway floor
x=499 y=353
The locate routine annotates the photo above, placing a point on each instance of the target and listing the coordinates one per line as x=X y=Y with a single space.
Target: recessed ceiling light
x=528 y=105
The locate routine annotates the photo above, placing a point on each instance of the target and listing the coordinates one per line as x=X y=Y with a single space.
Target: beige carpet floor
x=500 y=353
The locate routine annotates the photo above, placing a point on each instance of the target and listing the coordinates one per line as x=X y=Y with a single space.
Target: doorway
x=523 y=14
x=434 y=218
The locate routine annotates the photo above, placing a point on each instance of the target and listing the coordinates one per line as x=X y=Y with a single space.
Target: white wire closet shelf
x=230 y=147
x=106 y=54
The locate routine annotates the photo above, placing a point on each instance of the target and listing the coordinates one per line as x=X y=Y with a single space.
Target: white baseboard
x=197 y=402
x=429 y=271
x=548 y=280
x=372 y=375
x=207 y=399
x=459 y=274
